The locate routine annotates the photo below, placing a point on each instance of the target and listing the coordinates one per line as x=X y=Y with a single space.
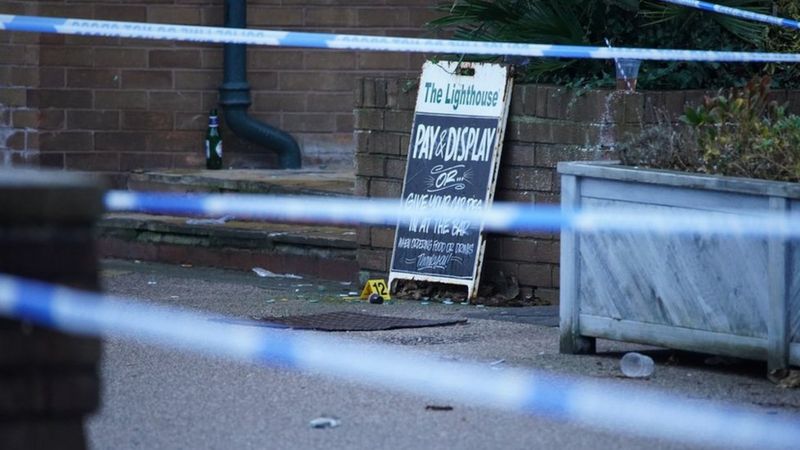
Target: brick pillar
x=49 y=381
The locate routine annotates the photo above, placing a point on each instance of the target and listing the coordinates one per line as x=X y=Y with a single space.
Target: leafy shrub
x=624 y=23
x=784 y=40
x=662 y=146
x=738 y=132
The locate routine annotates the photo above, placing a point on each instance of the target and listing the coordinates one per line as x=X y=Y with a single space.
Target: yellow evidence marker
x=375 y=287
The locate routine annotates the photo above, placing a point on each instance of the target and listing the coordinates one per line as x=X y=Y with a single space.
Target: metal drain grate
x=352 y=321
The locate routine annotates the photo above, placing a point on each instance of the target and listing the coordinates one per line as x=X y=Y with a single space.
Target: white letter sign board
x=453 y=158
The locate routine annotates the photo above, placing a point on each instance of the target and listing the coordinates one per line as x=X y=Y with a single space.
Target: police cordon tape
x=499 y=217
x=143 y=30
x=734 y=12
x=629 y=410
x=611 y=407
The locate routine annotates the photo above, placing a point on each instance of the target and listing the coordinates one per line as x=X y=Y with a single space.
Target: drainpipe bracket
x=233 y=94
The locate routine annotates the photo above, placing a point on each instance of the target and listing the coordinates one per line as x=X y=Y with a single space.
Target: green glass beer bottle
x=213 y=142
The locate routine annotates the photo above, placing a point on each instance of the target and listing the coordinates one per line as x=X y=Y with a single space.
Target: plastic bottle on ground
x=637 y=365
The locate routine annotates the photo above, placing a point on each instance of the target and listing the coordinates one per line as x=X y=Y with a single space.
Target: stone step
x=327 y=252
x=279 y=182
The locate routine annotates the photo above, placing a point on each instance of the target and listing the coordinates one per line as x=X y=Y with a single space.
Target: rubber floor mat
x=352 y=321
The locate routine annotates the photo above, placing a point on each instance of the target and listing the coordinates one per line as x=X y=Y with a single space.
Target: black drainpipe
x=234 y=96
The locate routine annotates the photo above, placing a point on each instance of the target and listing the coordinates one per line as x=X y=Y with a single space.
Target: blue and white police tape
x=621 y=409
x=500 y=217
x=740 y=13
x=142 y=30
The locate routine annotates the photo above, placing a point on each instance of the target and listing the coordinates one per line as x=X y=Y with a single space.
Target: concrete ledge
x=283 y=182
x=325 y=252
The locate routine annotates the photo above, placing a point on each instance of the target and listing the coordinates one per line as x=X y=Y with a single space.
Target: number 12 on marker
x=376 y=287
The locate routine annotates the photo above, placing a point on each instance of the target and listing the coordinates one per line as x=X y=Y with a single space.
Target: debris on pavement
x=375 y=299
x=438 y=408
x=498 y=289
x=526 y=293
x=636 y=365
x=264 y=273
x=495 y=364
x=324 y=422
x=219 y=221
x=791 y=381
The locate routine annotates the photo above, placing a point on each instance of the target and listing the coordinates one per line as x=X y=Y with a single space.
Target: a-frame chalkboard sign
x=453 y=157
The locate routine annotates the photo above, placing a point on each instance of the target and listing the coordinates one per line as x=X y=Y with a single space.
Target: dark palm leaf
x=470 y=11
x=752 y=32
x=632 y=23
x=549 y=22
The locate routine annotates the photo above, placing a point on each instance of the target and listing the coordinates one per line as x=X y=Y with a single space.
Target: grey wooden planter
x=734 y=296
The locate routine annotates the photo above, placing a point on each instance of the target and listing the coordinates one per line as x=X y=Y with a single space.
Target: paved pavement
x=156 y=398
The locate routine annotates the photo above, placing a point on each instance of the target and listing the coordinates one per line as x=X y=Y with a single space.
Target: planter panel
x=794 y=285
x=674 y=280
x=729 y=295
x=631 y=192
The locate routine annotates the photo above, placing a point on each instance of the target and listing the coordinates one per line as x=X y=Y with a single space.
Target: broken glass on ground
x=218 y=221
x=264 y=273
x=324 y=422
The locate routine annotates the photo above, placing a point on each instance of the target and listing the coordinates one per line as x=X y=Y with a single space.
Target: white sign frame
x=456 y=90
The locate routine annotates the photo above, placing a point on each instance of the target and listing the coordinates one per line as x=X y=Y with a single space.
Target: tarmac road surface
x=165 y=399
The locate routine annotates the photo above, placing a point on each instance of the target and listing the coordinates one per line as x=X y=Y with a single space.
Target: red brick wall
x=114 y=105
x=546 y=124
x=19 y=59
